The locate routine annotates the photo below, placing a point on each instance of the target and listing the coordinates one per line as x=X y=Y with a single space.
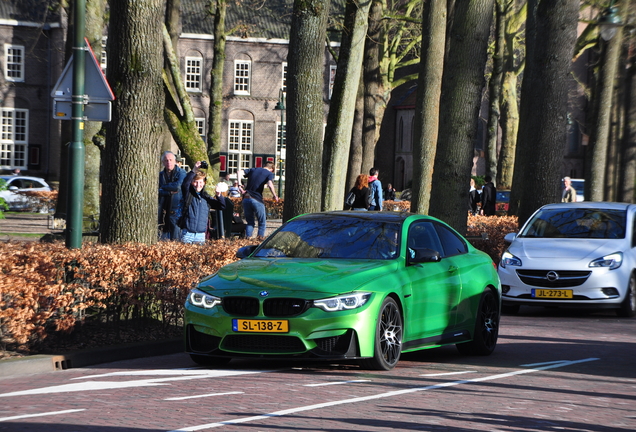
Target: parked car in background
x=573 y=255
x=16 y=184
x=347 y=286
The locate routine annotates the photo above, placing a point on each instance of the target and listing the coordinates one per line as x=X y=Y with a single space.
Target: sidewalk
x=33 y=226
x=29 y=224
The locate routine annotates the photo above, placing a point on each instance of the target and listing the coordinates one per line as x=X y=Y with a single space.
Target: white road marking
x=201 y=396
x=378 y=396
x=335 y=383
x=210 y=373
x=2 y=419
x=447 y=373
x=109 y=385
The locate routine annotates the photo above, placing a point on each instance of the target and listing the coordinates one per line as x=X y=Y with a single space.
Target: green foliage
x=3 y=204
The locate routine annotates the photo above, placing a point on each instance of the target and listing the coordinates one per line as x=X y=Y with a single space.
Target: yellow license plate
x=260 y=326
x=552 y=293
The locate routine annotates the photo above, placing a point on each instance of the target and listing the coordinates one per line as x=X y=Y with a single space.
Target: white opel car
x=15 y=184
x=579 y=254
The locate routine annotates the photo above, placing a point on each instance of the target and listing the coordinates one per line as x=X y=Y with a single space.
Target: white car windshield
x=577 y=223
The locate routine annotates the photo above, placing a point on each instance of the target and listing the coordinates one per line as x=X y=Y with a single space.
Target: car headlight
x=508 y=259
x=203 y=300
x=613 y=261
x=343 y=302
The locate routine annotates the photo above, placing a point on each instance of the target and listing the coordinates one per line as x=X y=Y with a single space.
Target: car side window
x=452 y=244
x=17 y=183
x=422 y=235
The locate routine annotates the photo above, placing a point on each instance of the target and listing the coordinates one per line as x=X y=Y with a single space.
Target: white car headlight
x=508 y=259
x=203 y=300
x=343 y=302
x=613 y=261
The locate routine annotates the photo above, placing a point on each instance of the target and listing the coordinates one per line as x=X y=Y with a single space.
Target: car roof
x=10 y=177
x=590 y=205
x=383 y=216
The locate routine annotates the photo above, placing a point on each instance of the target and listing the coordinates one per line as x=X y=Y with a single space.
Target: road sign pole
x=76 y=153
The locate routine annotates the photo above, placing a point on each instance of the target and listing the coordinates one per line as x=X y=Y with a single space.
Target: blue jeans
x=252 y=209
x=192 y=237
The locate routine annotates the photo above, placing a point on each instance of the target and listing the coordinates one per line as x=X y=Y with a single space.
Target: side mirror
x=423 y=255
x=245 y=251
x=13 y=188
x=510 y=237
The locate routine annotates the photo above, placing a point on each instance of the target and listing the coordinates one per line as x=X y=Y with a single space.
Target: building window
x=14 y=63
x=242 y=77
x=332 y=78
x=200 y=122
x=103 y=58
x=400 y=139
x=239 y=145
x=193 y=74
x=284 y=78
x=281 y=136
x=14 y=138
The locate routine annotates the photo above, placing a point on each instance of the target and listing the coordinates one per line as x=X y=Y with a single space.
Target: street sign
x=97 y=99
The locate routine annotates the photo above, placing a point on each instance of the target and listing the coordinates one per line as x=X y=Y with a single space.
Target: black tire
x=209 y=361
x=388 y=338
x=628 y=306
x=510 y=309
x=486 y=327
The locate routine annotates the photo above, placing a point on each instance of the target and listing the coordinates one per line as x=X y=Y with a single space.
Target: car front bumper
x=600 y=288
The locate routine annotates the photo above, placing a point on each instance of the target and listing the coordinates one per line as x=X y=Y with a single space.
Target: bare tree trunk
x=628 y=151
x=135 y=62
x=462 y=87
x=305 y=107
x=550 y=40
x=372 y=85
x=429 y=88
x=494 y=88
x=216 y=89
x=342 y=106
x=355 y=151
x=95 y=10
x=596 y=185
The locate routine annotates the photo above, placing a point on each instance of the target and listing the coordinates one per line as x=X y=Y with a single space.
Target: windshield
x=346 y=237
x=577 y=223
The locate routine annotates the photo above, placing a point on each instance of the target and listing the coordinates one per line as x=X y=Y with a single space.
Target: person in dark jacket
x=361 y=192
x=488 y=198
x=170 y=182
x=195 y=207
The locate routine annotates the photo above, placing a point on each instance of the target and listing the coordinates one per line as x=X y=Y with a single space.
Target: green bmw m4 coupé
x=347 y=285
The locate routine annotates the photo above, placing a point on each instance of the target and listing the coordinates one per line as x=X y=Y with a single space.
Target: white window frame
x=200 y=123
x=14 y=138
x=283 y=84
x=281 y=150
x=240 y=145
x=332 y=78
x=192 y=75
x=242 y=77
x=14 y=67
x=103 y=58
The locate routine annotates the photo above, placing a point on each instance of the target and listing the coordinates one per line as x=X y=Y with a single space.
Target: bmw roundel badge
x=263 y=293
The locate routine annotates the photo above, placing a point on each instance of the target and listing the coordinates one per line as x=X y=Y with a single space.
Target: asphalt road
x=552 y=371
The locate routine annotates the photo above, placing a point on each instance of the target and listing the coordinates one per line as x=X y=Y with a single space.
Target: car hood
x=564 y=249
x=285 y=277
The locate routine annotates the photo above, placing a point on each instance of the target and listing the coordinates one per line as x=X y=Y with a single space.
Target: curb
x=49 y=363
